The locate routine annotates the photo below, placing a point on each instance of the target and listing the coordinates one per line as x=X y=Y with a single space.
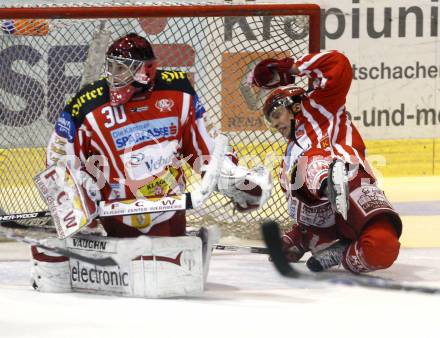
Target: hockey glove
x=72 y=197
x=301 y=239
x=248 y=189
x=292 y=244
x=272 y=73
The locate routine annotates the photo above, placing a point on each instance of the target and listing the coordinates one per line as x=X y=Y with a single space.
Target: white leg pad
x=157 y=267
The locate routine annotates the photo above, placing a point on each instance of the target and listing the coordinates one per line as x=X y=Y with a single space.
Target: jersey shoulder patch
x=173 y=80
x=88 y=98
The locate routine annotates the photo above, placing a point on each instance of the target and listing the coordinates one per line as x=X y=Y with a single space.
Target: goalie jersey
x=136 y=149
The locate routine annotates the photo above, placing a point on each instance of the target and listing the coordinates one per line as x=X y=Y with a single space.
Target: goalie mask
x=278 y=101
x=130 y=67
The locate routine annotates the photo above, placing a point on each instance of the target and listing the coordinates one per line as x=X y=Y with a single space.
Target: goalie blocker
x=71 y=195
x=151 y=267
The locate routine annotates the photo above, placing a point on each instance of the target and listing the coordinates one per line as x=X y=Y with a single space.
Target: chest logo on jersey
x=164 y=104
x=139 y=109
x=324 y=143
x=149 y=160
x=144 y=131
x=65 y=127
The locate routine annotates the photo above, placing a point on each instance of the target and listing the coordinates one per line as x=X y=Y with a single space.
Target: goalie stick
x=105 y=261
x=118 y=208
x=222 y=247
x=230 y=247
x=106 y=209
x=272 y=238
x=244 y=249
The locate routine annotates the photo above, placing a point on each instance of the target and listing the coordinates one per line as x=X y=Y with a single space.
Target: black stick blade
x=272 y=238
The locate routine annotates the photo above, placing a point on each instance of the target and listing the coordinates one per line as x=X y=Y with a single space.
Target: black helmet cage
x=283 y=101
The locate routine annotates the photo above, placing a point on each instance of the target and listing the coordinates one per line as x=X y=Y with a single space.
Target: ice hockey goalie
x=132 y=131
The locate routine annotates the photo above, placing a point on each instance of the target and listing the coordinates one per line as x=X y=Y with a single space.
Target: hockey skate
x=337 y=187
x=327 y=258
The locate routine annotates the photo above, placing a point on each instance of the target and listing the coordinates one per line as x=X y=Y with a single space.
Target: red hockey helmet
x=285 y=97
x=130 y=60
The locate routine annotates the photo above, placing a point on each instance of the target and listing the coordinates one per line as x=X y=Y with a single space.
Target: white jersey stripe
x=81 y=132
x=321 y=76
x=312 y=121
x=185 y=108
x=340 y=149
x=201 y=127
x=349 y=139
x=195 y=143
x=329 y=118
x=91 y=119
x=307 y=64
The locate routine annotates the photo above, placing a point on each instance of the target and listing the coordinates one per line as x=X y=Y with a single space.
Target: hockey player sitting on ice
x=129 y=135
x=340 y=214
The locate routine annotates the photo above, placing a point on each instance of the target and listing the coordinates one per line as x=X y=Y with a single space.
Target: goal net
x=48 y=51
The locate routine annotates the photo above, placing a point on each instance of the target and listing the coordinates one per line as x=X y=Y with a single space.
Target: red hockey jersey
x=135 y=149
x=324 y=122
x=323 y=129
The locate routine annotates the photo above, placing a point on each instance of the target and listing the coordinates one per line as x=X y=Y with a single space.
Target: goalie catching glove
x=248 y=189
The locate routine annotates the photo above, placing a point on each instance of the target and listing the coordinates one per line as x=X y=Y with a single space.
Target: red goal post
x=48 y=51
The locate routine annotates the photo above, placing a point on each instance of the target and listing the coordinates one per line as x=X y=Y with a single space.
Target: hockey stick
x=24 y=216
x=230 y=247
x=106 y=209
x=120 y=208
x=244 y=249
x=272 y=237
x=222 y=247
x=106 y=261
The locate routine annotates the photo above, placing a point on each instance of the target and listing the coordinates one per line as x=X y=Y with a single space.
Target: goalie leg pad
x=149 y=267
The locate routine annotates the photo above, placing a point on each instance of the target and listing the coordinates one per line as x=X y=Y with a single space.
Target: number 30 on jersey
x=114 y=115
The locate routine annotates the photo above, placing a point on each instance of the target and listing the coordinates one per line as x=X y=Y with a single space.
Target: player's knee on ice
x=380 y=244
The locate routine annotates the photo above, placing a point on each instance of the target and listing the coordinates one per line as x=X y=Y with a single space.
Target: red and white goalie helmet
x=130 y=61
x=282 y=97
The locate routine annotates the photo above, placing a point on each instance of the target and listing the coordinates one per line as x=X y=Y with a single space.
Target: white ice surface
x=245 y=297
